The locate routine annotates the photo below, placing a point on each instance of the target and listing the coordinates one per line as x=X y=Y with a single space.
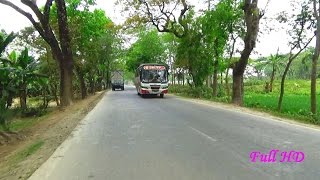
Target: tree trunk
x=108 y=79
x=92 y=85
x=237 y=88
x=220 y=87
x=45 y=99
x=252 y=18
x=272 y=78
x=215 y=80
x=23 y=97
x=315 y=58
x=314 y=74
x=173 y=78
x=227 y=83
x=66 y=61
x=83 y=88
x=283 y=78
x=183 y=80
x=66 y=90
x=54 y=88
x=314 y=81
x=99 y=83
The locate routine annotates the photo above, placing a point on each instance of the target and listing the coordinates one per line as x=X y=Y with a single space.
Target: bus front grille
x=155 y=88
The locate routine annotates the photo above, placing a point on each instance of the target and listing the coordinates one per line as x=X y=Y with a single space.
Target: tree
x=316 y=12
x=61 y=48
x=170 y=42
x=6 y=83
x=230 y=51
x=147 y=49
x=252 y=16
x=299 y=42
x=194 y=52
x=25 y=71
x=28 y=37
x=162 y=14
x=217 y=25
x=273 y=64
x=86 y=27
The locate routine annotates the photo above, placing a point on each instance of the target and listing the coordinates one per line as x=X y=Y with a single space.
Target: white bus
x=151 y=79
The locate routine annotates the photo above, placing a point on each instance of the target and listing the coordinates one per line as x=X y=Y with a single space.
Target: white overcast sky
x=269 y=43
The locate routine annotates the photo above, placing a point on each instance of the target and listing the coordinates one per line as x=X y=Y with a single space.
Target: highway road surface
x=126 y=137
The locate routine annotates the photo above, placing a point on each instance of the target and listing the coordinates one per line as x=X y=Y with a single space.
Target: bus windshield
x=153 y=76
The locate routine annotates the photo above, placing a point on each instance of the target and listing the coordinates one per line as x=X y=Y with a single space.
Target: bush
x=195 y=92
x=253 y=82
x=33 y=112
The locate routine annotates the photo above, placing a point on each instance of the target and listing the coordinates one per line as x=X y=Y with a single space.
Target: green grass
x=22 y=155
x=300 y=87
x=24 y=123
x=296 y=101
x=294 y=106
x=20 y=123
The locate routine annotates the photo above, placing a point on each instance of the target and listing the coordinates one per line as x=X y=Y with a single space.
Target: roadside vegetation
x=210 y=52
x=71 y=48
x=34 y=76
x=68 y=53
x=296 y=104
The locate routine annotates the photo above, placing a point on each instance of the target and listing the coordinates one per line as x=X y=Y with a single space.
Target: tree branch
x=180 y=19
x=304 y=47
x=36 y=25
x=34 y=8
x=46 y=12
x=168 y=17
x=44 y=29
x=315 y=11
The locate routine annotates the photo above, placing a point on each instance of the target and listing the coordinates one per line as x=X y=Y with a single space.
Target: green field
x=296 y=101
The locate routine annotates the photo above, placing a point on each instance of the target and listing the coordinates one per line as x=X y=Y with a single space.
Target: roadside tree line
x=67 y=54
x=203 y=45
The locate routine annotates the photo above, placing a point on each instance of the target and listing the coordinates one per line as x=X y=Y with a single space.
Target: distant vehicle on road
x=151 y=79
x=117 y=80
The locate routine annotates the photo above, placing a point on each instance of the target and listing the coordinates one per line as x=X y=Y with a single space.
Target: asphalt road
x=127 y=137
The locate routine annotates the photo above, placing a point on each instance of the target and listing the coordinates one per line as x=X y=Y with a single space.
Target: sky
x=268 y=43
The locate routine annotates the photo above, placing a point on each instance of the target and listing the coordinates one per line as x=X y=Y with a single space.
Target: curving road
x=127 y=137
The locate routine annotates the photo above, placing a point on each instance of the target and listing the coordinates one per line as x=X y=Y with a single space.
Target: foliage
x=195 y=54
x=301 y=24
x=19 y=73
x=147 y=49
x=296 y=105
x=5 y=40
x=165 y=16
x=6 y=83
x=218 y=25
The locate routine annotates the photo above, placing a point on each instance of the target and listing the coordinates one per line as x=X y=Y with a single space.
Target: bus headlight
x=144 y=87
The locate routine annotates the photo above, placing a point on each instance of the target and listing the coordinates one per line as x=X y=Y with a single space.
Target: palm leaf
x=6 y=42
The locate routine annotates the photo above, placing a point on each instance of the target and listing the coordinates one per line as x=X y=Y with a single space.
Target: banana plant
x=5 y=41
x=26 y=72
x=6 y=84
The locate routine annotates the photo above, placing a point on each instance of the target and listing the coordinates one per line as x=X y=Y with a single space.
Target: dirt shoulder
x=37 y=143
